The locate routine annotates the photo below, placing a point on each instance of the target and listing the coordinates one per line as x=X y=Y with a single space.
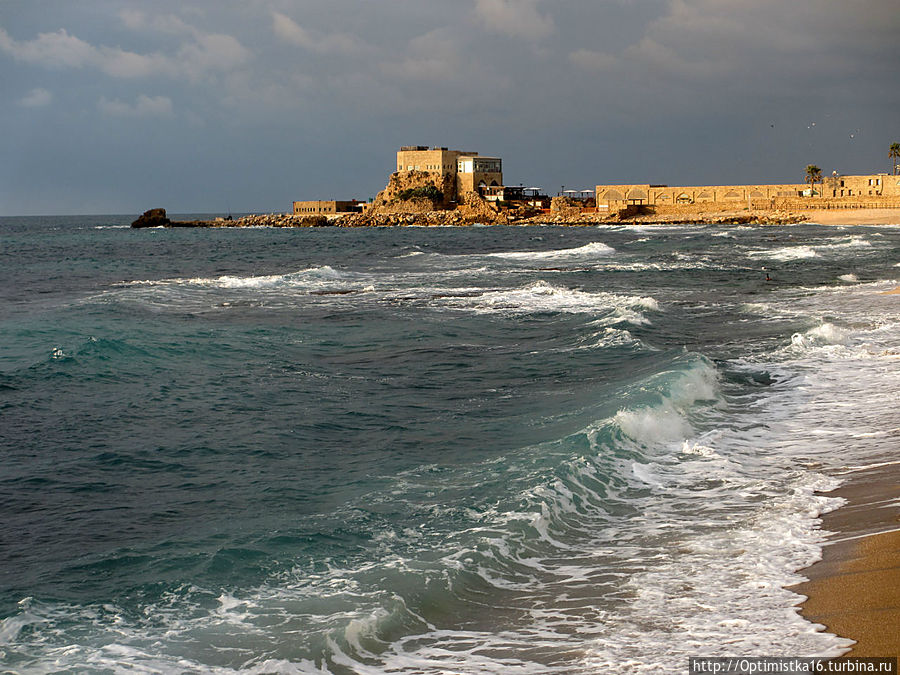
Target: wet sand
x=855 y=589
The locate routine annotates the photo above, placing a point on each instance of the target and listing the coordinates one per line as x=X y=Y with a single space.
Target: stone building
x=611 y=197
x=474 y=173
x=881 y=184
x=431 y=160
x=459 y=170
x=327 y=207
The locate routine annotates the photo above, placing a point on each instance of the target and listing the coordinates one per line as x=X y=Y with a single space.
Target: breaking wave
x=588 y=250
x=543 y=297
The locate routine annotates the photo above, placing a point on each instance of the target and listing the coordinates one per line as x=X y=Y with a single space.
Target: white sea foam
x=311 y=276
x=588 y=250
x=825 y=334
x=667 y=420
x=543 y=297
x=802 y=252
x=850 y=242
x=850 y=278
x=786 y=253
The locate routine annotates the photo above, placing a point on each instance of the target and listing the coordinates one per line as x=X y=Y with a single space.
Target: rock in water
x=152 y=218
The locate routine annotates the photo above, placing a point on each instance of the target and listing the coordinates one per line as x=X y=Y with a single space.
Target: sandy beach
x=855 y=589
x=854 y=216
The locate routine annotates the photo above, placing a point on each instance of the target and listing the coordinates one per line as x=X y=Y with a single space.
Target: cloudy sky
x=116 y=106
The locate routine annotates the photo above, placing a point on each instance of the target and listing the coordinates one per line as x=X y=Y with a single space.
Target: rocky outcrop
x=475 y=208
x=403 y=193
x=279 y=220
x=457 y=217
x=157 y=218
x=152 y=218
x=565 y=206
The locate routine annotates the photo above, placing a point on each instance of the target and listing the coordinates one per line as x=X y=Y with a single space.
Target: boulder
x=152 y=218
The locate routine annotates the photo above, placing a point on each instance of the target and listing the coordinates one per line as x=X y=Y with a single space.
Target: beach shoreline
x=854 y=590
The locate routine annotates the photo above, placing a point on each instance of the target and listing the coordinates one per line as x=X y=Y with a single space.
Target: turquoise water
x=480 y=450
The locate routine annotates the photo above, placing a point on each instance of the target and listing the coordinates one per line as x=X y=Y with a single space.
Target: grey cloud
x=589 y=59
x=204 y=52
x=36 y=98
x=433 y=57
x=323 y=43
x=136 y=19
x=567 y=92
x=144 y=106
x=515 y=18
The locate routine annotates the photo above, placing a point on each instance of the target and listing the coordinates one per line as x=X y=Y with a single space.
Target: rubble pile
x=276 y=220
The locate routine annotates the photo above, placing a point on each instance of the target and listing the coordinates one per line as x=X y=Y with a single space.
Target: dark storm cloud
x=190 y=104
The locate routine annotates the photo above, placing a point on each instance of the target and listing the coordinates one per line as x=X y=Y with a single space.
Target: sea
x=481 y=450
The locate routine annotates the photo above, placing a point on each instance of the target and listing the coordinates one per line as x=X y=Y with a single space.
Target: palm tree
x=813 y=176
x=894 y=156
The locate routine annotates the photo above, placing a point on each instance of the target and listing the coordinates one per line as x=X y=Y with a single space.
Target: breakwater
x=454 y=218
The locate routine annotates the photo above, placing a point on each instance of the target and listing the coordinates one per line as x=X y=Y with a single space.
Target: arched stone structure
x=637 y=194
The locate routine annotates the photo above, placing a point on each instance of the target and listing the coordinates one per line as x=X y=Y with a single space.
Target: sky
x=215 y=106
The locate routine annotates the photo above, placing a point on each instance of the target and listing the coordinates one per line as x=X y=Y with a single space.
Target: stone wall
x=733 y=197
x=863 y=202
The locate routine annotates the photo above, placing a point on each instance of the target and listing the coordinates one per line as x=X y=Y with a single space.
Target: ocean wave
x=608 y=546
x=310 y=276
x=802 y=252
x=543 y=297
x=588 y=250
x=850 y=242
x=666 y=420
x=786 y=253
x=612 y=338
x=826 y=334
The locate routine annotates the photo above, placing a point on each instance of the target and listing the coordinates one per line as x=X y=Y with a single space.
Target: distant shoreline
x=883 y=217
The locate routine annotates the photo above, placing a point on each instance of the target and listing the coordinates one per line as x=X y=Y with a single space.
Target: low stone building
x=328 y=207
x=862 y=189
x=881 y=184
